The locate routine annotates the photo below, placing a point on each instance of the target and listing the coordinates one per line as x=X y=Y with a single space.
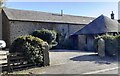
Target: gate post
x=46 y=60
x=101 y=47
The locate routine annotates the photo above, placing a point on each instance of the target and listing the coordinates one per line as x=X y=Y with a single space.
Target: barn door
x=75 y=42
x=90 y=42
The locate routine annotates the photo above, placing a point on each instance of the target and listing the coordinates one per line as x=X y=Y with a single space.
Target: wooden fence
x=3 y=60
x=12 y=61
x=16 y=61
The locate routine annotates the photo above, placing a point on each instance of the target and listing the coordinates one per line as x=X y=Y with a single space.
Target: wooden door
x=90 y=43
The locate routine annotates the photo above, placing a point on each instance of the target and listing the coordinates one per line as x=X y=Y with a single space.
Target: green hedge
x=31 y=47
x=111 y=44
x=46 y=35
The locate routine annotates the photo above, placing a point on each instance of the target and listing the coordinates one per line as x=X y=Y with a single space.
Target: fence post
x=46 y=54
x=8 y=62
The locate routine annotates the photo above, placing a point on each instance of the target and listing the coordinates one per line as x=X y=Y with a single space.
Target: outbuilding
x=16 y=22
x=99 y=26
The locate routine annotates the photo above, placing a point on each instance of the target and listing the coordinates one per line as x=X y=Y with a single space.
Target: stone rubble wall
x=19 y=28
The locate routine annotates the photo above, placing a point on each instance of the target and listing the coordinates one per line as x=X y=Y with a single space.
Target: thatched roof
x=102 y=24
x=27 y=15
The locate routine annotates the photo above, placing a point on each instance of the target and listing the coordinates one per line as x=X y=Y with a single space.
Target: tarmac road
x=75 y=62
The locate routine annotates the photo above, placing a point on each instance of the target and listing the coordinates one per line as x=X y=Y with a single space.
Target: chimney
x=61 y=12
x=112 y=15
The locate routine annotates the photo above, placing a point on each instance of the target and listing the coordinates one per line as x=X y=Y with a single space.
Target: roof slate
x=27 y=15
x=102 y=24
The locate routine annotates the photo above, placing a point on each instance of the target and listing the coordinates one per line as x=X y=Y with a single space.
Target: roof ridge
x=47 y=12
x=29 y=15
x=25 y=10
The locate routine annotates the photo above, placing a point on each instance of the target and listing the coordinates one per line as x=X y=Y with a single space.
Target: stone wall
x=19 y=28
x=81 y=42
x=68 y=29
x=73 y=28
x=5 y=29
x=70 y=42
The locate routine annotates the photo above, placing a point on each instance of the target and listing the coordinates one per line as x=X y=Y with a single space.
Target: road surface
x=75 y=62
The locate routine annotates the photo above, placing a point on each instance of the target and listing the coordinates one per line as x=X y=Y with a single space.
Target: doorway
x=90 y=43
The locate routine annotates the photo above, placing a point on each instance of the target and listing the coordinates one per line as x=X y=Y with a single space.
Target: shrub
x=31 y=47
x=46 y=35
x=111 y=44
x=118 y=43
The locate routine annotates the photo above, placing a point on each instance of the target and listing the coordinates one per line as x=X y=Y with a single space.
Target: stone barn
x=16 y=22
x=99 y=26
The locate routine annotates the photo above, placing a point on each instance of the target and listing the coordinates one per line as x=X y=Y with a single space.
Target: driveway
x=75 y=62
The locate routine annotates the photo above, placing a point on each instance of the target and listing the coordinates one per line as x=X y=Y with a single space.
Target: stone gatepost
x=46 y=54
x=101 y=47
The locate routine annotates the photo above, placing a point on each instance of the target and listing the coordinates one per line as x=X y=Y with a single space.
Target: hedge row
x=31 y=45
x=112 y=44
x=46 y=35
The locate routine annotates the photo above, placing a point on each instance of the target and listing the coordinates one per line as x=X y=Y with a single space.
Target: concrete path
x=74 y=62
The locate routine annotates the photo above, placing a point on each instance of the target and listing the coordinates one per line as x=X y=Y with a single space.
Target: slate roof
x=27 y=15
x=102 y=24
